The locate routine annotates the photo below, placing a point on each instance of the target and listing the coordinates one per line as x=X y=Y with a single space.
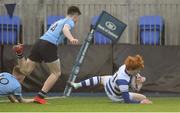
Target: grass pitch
x=92 y=104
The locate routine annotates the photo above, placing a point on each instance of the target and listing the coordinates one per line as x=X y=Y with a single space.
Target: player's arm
x=23 y=100
x=12 y=99
x=124 y=88
x=67 y=33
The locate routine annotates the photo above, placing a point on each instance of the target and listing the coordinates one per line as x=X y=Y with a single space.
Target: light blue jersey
x=54 y=34
x=9 y=85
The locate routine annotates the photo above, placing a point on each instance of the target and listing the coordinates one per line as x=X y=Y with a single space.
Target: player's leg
x=18 y=74
x=93 y=81
x=55 y=71
x=48 y=53
x=26 y=66
x=104 y=79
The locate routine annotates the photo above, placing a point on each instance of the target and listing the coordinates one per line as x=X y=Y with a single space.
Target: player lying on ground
x=117 y=86
x=45 y=50
x=10 y=86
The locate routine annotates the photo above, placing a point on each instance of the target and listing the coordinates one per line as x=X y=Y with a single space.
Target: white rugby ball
x=134 y=85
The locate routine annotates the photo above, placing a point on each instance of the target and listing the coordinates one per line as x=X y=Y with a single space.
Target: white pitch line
x=4 y=100
x=57 y=97
x=49 y=98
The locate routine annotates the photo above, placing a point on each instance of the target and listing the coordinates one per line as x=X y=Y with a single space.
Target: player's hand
x=140 y=79
x=74 y=41
x=146 y=101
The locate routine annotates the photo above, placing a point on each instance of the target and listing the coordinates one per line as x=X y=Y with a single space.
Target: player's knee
x=24 y=71
x=57 y=73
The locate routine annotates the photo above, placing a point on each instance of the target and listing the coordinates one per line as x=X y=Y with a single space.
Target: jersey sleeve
x=124 y=88
x=70 y=23
x=18 y=91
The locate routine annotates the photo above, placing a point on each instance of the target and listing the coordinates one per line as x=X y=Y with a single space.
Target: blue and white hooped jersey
x=54 y=34
x=9 y=85
x=113 y=84
x=118 y=85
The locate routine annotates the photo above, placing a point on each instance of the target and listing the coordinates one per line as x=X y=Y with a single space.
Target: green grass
x=94 y=104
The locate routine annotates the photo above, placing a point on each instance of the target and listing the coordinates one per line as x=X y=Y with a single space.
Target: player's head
x=134 y=64
x=74 y=12
x=17 y=73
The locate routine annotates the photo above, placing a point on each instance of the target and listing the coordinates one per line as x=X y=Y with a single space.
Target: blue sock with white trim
x=91 y=81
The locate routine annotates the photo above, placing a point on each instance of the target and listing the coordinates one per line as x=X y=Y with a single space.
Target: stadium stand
x=151 y=30
x=9 y=29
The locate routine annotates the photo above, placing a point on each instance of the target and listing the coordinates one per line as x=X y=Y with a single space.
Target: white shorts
x=112 y=97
